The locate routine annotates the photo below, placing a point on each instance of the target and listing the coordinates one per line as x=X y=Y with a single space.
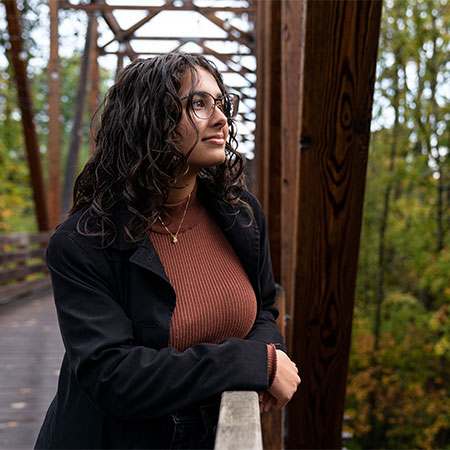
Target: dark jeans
x=188 y=429
x=195 y=429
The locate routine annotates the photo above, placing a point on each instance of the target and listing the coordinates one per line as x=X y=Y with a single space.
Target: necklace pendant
x=174 y=239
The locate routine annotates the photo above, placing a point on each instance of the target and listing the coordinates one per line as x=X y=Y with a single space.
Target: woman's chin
x=208 y=159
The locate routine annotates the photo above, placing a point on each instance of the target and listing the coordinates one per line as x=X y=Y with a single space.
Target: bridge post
x=54 y=119
x=339 y=51
x=19 y=64
x=314 y=113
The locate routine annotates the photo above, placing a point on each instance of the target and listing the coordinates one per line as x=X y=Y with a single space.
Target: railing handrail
x=22 y=266
x=22 y=239
x=239 y=425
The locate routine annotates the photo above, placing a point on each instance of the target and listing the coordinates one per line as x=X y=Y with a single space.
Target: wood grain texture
x=293 y=18
x=239 y=426
x=268 y=158
x=340 y=53
x=272 y=422
x=268 y=122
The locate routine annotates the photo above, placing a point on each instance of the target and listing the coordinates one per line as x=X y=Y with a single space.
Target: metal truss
x=233 y=51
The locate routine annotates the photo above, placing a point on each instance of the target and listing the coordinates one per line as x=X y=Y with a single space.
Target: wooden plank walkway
x=30 y=357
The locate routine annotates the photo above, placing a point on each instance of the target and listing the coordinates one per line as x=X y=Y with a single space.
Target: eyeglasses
x=204 y=104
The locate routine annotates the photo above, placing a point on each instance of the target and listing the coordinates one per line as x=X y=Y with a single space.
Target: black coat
x=115 y=306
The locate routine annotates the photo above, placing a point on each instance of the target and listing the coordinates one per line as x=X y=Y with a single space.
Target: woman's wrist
x=271 y=363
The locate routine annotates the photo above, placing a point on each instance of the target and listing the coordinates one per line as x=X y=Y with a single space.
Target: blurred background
x=398 y=388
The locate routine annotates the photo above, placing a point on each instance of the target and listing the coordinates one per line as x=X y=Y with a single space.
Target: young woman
x=161 y=274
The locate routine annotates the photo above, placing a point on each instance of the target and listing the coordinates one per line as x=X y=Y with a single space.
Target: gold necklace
x=175 y=236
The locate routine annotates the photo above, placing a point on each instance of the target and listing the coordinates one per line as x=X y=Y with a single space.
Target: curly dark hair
x=136 y=157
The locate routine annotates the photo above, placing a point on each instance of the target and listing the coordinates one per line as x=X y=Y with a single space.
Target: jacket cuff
x=271 y=362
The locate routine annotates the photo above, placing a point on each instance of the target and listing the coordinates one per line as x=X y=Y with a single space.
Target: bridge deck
x=30 y=356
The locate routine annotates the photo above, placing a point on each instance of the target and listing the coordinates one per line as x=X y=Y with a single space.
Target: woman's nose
x=218 y=117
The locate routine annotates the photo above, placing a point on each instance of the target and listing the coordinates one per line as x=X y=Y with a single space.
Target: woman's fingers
x=266 y=401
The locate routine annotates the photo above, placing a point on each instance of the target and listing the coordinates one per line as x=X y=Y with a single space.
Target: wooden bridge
x=315 y=78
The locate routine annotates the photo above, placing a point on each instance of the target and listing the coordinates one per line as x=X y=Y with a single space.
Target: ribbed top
x=215 y=299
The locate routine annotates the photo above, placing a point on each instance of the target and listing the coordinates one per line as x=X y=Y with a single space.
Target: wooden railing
x=22 y=264
x=239 y=424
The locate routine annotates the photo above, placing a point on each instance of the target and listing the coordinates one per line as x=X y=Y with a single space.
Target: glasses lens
x=203 y=105
x=230 y=105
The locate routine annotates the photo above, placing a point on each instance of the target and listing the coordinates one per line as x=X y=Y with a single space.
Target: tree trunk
x=433 y=128
x=374 y=432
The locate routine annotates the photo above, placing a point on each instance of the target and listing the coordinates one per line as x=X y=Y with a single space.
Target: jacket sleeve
x=136 y=382
x=265 y=328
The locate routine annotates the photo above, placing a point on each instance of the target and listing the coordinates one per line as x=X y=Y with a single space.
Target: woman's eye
x=198 y=104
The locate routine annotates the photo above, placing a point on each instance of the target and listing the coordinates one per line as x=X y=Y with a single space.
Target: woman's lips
x=218 y=140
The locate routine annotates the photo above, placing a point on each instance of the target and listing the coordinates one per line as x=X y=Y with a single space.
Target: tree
x=398 y=390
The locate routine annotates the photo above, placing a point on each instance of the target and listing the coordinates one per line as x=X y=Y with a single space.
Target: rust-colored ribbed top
x=215 y=299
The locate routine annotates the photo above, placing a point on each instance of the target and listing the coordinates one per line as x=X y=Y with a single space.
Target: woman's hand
x=266 y=401
x=285 y=383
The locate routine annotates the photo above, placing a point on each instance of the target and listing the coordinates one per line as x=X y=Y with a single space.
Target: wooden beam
x=76 y=133
x=54 y=122
x=293 y=16
x=340 y=55
x=119 y=66
x=111 y=21
x=272 y=423
x=223 y=56
x=19 y=64
x=174 y=38
x=268 y=123
x=94 y=81
x=268 y=162
x=128 y=34
x=167 y=7
x=234 y=33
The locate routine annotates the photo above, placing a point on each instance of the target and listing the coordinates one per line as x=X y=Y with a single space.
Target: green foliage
x=16 y=204
x=398 y=393
x=407 y=378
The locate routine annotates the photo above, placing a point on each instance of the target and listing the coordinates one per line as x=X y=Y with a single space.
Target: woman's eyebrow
x=217 y=95
x=220 y=94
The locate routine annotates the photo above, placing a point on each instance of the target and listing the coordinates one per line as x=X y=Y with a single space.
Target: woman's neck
x=183 y=188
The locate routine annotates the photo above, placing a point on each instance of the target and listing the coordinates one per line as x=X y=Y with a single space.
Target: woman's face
x=213 y=132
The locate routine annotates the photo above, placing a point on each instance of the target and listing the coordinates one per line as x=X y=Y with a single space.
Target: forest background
x=398 y=393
